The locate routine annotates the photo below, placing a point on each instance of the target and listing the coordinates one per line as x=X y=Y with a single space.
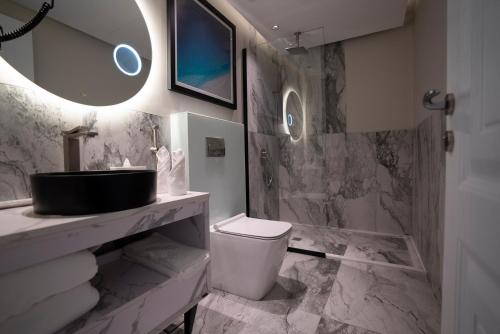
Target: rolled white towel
x=163 y=168
x=165 y=255
x=53 y=313
x=177 y=177
x=21 y=289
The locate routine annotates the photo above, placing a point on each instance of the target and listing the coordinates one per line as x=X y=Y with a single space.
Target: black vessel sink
x=82 y=193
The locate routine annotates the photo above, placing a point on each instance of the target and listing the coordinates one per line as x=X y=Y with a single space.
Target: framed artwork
x=202 y=52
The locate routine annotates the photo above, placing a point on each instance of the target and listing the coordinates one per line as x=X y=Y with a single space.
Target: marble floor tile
x=358 y=246
x=382 y=299
x=219 y=314
x=329 y=326
x=319 y=239
x=316 y=295
x=379 y=248
x=294 y=305
x=307 y=282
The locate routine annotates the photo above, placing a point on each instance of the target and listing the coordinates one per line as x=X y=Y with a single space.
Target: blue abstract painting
x=204 y=51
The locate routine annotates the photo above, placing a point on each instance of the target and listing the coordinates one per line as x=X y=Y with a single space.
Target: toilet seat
x=243 y=226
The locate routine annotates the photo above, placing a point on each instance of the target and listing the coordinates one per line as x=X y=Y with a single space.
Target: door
x=471 y=273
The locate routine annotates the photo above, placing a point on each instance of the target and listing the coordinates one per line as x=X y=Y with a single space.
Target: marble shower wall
x=349 y=180
x=31 y=141
x=328 y=177
x=428 y=197
x=264 y=104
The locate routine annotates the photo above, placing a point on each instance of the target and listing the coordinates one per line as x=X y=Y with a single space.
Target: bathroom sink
x=89 y=192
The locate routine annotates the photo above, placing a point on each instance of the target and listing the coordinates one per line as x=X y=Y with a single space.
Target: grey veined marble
x=319 y=239
x=379 y=248
x=263 y=89
x=125 y=136
x=356 y=245
x=264 y=188
x=315 y=295
x=31 y=141
x=352 y=180
x=384 y=300
x=328 y=177
x=334 y=83
x=294 y=305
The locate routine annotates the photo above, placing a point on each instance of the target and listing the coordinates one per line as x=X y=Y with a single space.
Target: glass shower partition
x=294 y=101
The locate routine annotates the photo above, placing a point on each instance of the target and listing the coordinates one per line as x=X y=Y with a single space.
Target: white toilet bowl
x=247 y=255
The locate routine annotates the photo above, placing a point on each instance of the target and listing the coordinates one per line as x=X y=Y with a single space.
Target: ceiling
x=327 y=21
x=112 y=21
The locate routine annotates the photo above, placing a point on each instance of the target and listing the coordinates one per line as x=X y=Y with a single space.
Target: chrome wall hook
x=448 y=105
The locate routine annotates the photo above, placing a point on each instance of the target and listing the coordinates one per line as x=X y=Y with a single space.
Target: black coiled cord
x=30 y=25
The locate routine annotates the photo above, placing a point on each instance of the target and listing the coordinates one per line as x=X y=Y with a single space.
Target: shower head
x=297 y=50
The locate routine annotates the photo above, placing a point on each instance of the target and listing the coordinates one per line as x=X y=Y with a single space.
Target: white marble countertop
x=19 y=223
x=27 y=238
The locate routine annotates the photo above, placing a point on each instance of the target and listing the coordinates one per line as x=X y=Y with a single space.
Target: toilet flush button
x=216 y=147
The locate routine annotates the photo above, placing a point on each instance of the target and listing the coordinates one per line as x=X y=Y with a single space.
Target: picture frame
x=202 y=52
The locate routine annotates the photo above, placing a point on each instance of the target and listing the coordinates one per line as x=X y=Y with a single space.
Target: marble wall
x=349 y=180
x=31 y=141
x=264 y=104
x=328 y=177
x=428 y=197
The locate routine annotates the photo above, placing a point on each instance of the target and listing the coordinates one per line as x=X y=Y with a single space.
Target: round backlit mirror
x=294 y=115
x=95 y=52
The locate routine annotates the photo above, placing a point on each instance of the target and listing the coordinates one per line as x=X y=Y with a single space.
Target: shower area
x=305 y=167
x=372 y=196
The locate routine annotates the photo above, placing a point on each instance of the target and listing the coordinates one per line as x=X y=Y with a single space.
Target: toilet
x=247 y=254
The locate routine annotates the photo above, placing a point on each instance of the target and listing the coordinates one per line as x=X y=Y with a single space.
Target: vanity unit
x=133 y=298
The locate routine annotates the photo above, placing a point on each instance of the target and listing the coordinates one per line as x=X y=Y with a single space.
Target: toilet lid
x=256 y=228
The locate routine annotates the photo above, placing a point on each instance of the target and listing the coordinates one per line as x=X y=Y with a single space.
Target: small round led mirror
x=294 y=115
x=127 y=60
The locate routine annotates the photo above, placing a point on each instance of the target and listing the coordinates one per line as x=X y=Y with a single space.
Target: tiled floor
x=316 y=295
x=332 y=295
x=320 y=239
x=357 y=246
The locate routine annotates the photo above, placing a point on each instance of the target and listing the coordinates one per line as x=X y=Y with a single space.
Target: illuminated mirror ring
x=127 y=60
x=293 y=114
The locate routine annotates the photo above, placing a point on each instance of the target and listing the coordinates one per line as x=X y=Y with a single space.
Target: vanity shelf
x=27 y=238
x=135 y=299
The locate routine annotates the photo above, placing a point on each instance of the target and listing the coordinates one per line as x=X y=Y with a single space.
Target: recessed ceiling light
x=276 y=27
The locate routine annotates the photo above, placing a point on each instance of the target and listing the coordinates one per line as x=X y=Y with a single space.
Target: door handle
x=447 y=105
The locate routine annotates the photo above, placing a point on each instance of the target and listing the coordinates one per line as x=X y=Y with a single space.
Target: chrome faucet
x=71 y=146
